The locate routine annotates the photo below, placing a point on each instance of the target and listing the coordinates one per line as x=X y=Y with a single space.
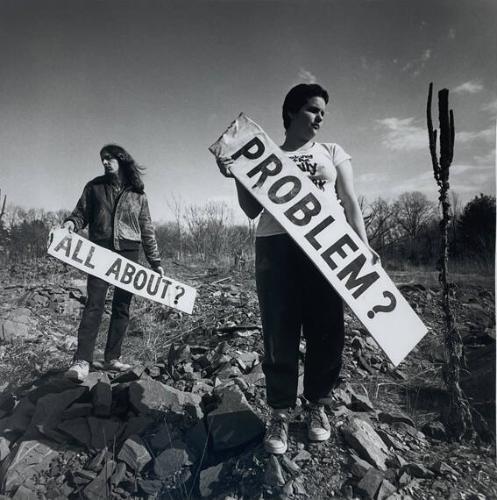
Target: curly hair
x=298 y=96
x=132 y=172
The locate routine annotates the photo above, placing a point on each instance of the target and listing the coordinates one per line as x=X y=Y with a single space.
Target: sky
x=164 y=79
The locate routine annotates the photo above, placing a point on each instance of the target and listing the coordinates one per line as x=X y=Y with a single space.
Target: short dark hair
x=131 y=170
x=298 y=96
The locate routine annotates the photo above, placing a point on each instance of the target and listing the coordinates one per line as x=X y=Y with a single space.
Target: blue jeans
x=295 y=297
x=92 y=316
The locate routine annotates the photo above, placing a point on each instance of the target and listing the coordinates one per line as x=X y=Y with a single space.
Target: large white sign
x=315 y=220
x=118 y=271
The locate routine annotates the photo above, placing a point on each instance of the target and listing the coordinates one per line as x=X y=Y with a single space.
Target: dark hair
x=132 y=172
x=298 y=96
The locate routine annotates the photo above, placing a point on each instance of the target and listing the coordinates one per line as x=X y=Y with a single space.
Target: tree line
x=404 y=231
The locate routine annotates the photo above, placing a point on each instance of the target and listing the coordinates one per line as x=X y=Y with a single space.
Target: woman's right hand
x=69 y=225
x=224 y=165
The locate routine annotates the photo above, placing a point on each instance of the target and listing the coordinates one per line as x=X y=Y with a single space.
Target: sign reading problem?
x=316 y=221
x=119 y=271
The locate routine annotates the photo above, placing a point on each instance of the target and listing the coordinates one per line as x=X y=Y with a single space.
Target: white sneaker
x=318 y=425
x=78 y=371
x=276 y=438
x=117 y=366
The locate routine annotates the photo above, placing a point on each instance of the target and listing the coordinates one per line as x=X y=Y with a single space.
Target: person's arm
x=247 y=202
x=347 y=195
x=78 y=219
x=149 y=242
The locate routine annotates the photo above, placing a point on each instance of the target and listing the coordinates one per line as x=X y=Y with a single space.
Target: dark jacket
x=118 y=220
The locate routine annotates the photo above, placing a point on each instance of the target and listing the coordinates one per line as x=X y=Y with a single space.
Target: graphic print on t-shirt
x=306 y=163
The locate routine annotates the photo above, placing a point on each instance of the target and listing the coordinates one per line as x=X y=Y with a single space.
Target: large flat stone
x=172 y=460
x=93 y=378
x=256 y=376
x=103 y=432
x=4 y=448
x=78 y=429
x=99 y=488
x=101 y=396
x=398 y=416
x=17 y=325
x=49 y=408
x=52 y=386
x=197 y=438
x=368 y=444
x=26 y=460
x=162 y=439
x=151 y=396
x=370 y=483
x=136 y=425
x=77 y=410
x=386 y=490
x=25 y=493
x=208 y=479
x=134 y=453
x=233 y=423
x=20 y=419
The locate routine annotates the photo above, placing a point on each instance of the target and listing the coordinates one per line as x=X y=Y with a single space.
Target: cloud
x=486 y=159
x=402 y=134
x=470 y=87
x=416 y=65
x=472 y=178
x=465 y=179
x=491 y=107
x=306 y=76
x=487 y=135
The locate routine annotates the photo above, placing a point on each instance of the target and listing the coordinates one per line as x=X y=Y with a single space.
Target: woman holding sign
x=115 y=209
x=293 y=295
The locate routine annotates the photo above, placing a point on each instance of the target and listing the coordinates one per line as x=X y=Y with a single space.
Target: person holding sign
x=115 y=209
x=293 y=295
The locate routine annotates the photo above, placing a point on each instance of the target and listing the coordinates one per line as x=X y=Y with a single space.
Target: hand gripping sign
x=315 y=220
x=118 y=271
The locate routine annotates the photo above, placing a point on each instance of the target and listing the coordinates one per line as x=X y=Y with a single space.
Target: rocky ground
x=188 y=420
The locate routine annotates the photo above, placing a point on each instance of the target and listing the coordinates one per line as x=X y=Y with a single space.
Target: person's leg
x=91 y=319
x=277 y=289
x=324 y=332
x=278 y=292
x=120 y=316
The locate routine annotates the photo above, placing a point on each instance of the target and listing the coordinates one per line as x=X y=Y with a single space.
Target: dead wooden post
x=2 y=212
x=459 y=415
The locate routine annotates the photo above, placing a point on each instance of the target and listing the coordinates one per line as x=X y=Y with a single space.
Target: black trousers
x=92 y=316
x=294 y=297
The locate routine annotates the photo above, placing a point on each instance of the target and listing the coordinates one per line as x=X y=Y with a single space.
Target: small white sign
x=315 y=220
x=118 y=271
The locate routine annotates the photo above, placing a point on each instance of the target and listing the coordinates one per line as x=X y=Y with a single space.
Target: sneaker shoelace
x=277 y=428
x=316 y=417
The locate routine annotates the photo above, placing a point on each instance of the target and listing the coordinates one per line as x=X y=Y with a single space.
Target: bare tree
x=207 y=228
x=175 y=204
x=459 y=414
x=413 y=211
x=379 y=220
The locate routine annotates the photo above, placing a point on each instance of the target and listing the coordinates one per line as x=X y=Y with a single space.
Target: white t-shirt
x=320 y=161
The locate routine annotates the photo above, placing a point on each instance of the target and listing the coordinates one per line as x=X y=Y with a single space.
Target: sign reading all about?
x=119 y=271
